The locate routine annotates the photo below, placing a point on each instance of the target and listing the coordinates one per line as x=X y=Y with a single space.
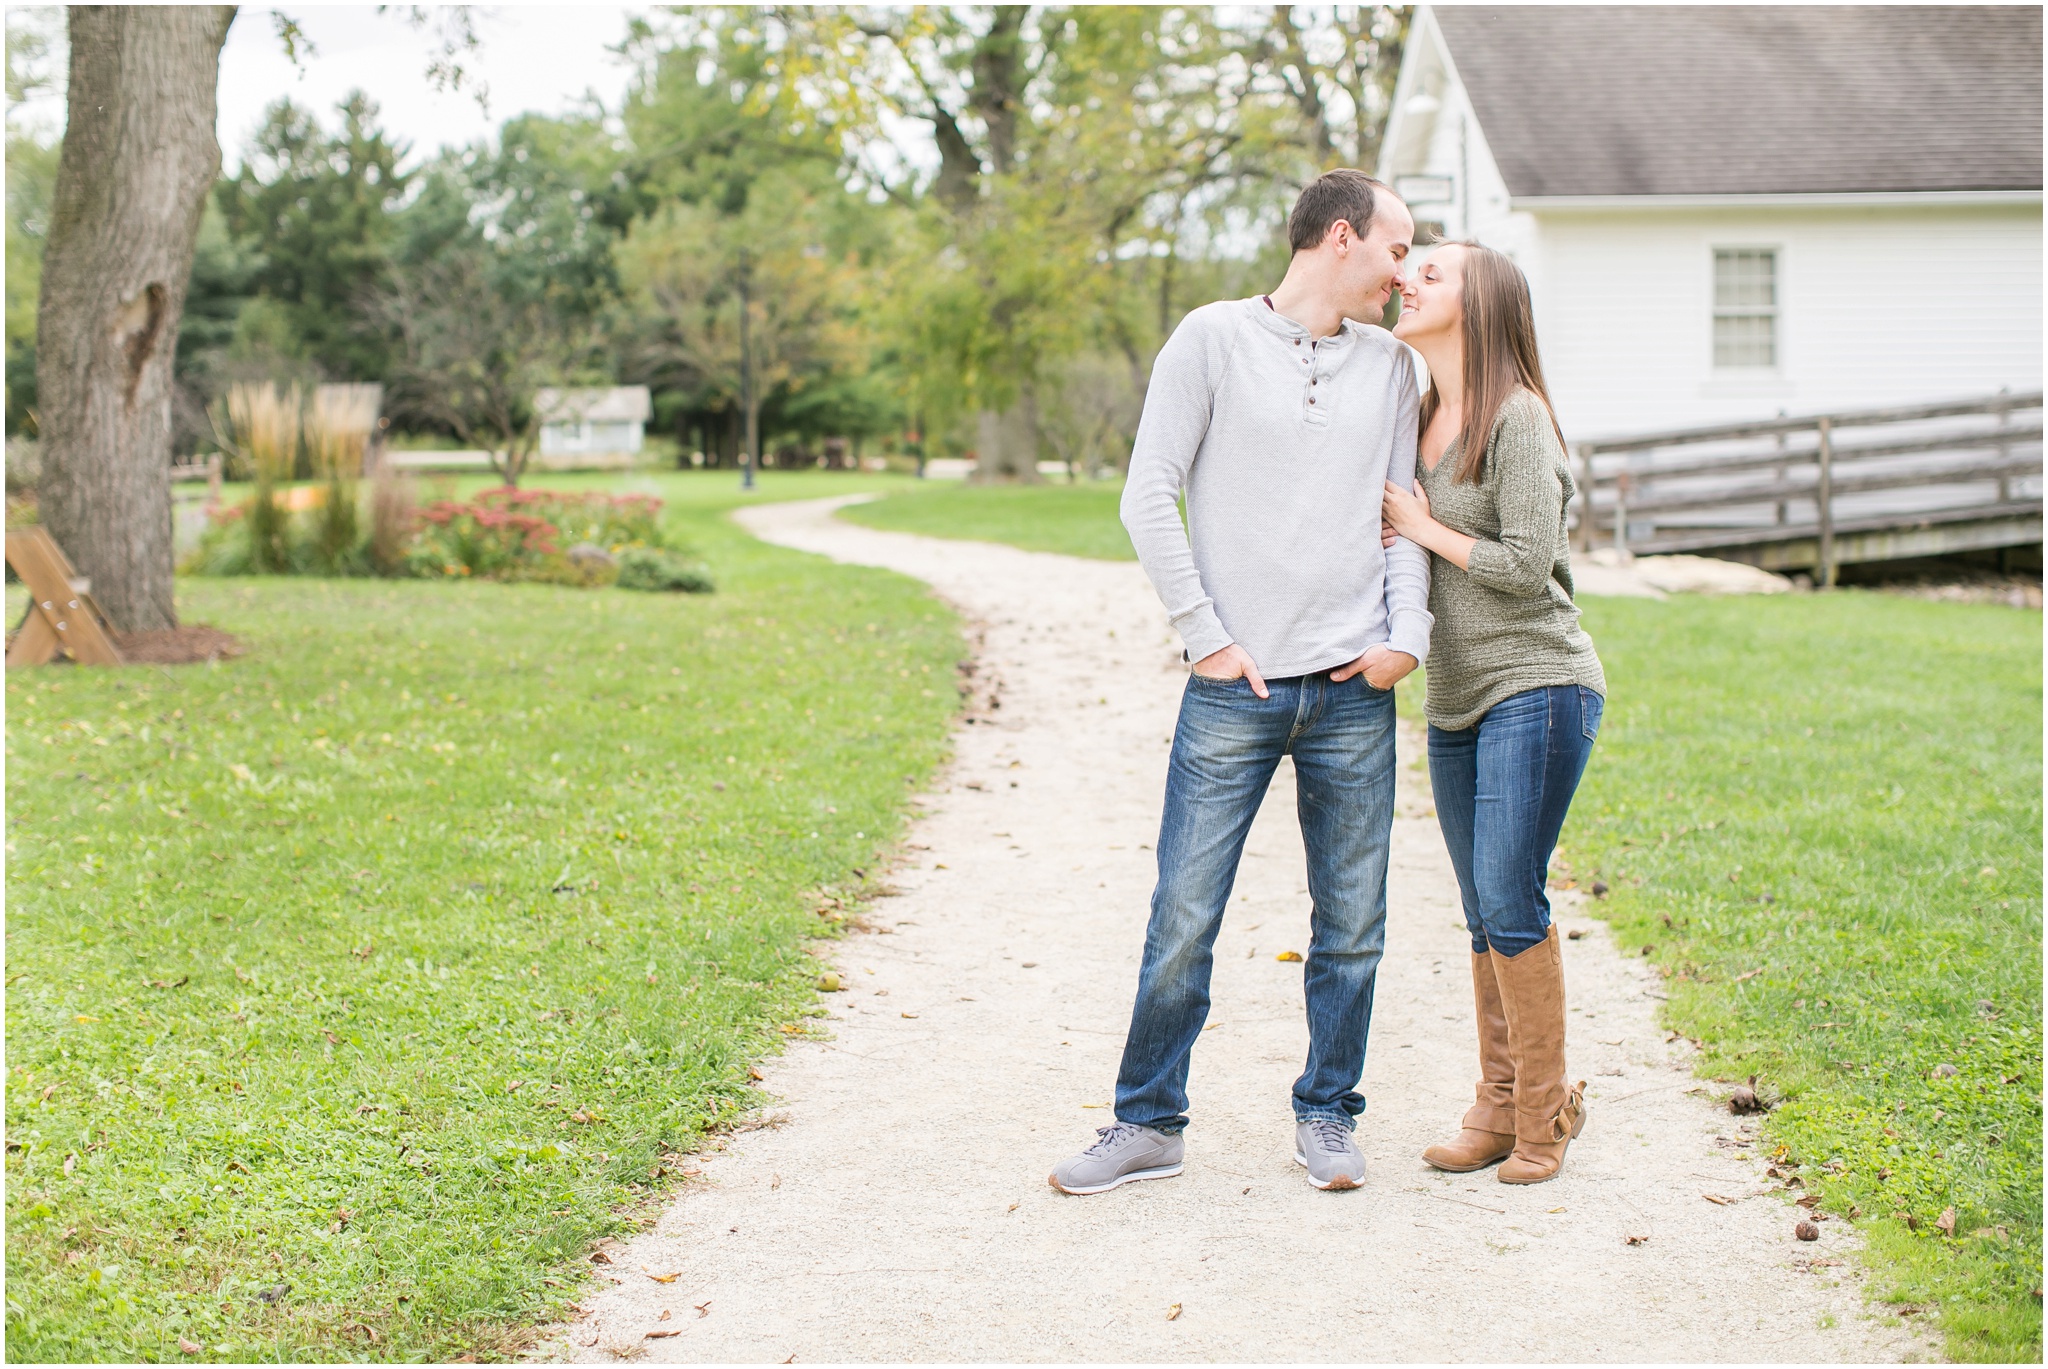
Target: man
x=1281 y=418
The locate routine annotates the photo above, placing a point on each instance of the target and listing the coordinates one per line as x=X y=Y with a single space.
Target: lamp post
x=752 y=458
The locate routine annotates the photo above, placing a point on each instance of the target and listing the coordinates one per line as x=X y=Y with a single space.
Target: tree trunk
x=1007 y=450
x=139 y=157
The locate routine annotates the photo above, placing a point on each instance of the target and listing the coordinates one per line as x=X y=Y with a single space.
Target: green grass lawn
x=1821 y=817
x=1079 y=520
x=390 y=961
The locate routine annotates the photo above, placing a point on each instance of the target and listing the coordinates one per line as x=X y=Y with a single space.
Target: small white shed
x=1731 y=212
x=600 y=426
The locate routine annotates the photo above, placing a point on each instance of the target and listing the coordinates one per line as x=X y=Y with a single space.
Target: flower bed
x=547 y=536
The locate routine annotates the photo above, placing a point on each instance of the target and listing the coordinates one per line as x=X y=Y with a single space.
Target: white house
x=592 y=426
x=1727 y=213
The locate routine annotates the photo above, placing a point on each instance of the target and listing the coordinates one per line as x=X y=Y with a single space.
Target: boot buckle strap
x=1567 y=1120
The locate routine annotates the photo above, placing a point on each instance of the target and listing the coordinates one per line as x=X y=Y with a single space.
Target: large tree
x=139 y=155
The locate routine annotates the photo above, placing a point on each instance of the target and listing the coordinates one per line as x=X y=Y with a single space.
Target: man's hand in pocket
x=1233 y=663
x=1381 y=665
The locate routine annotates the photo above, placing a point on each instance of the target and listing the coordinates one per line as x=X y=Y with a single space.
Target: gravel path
x=894 y=1205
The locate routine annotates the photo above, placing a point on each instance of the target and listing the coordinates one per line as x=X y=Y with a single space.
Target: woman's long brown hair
x=1500 y=353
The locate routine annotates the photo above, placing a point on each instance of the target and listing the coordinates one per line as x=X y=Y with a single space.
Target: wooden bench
x=62 y=617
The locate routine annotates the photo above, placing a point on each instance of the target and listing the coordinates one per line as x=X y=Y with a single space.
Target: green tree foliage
x=977 y=223
x=31 y=179
x=314 y=210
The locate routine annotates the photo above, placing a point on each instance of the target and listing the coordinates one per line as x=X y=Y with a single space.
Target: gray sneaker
x=1326 y=1148
x=1123 y=1153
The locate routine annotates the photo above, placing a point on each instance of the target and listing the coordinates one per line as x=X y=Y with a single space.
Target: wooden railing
x=1788 y=492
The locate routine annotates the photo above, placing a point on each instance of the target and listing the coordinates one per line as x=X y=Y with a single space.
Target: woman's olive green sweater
x=1507 y=624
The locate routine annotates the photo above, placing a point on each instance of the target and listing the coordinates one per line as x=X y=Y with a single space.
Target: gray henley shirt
x=1282 y=443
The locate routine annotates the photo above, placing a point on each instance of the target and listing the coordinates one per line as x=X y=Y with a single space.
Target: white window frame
x=1773 y=312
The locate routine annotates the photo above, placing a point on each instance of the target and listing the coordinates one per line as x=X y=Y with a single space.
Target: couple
x=1317 y=555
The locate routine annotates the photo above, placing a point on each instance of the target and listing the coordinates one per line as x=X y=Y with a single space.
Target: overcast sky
x=534 y=58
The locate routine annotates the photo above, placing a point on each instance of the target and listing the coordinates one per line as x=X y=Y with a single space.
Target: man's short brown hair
x=1341 y=194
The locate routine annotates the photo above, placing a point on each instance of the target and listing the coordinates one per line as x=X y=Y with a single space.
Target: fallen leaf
x=910 y=1014
x=515 y=1086
x=365 y=1109
x=1556 y=1210
x=1717 y=1200
x=755 y=1074
x=1946 y=1222
x=1745 y=978
x=1292 y=957
x=599 y=1257
x=1810 y=1200
x=1636 y=1240
x=1806 y=1231
x=703 y=1308
x=665 y=1278
x=664 y=1315
x=1173 y=1312
x=188 y=1347
x=1013 y=1207
x=661 y=1335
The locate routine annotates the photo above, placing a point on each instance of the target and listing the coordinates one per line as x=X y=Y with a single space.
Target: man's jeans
x=1502 y=789
x=1225 y=749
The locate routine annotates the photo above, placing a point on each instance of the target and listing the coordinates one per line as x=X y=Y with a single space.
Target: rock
x=1706 y=575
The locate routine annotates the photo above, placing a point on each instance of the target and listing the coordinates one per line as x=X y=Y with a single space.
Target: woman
x=1515 y=689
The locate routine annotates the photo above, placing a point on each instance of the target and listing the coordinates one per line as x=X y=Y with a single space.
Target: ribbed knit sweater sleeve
x=1529 y=500
x=1178 y=404
x=1408 y=617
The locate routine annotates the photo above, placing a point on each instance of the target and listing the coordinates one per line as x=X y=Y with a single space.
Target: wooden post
x=1621 y=511
x=1585 y=528
x=2002 y=406
x=1825 y=496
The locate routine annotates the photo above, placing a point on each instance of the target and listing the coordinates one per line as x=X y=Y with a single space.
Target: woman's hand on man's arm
x=1407 y=513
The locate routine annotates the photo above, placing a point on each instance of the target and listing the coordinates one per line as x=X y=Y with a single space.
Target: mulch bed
x=192 y=644
x=187 y=645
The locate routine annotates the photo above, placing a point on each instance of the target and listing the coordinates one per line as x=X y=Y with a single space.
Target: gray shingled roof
x=1673 y=100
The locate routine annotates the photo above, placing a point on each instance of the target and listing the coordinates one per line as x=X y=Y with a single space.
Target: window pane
x=1745 y=340
x=1745 y=278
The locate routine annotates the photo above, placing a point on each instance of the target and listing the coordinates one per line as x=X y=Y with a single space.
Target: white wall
x=1877 y=306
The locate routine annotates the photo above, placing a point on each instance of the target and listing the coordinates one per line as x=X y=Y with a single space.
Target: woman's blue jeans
x=1225 y=749
x=1502 y=789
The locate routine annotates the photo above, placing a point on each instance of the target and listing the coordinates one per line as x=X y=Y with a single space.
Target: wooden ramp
x=1822 y=491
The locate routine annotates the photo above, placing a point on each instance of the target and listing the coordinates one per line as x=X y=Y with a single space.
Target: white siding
x=1878 y=305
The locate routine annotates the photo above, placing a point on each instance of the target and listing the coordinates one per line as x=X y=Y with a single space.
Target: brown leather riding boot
x=1549 y=1111
x=1487 y=1130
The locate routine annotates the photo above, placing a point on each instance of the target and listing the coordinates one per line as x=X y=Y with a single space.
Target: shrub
x=651 y=568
